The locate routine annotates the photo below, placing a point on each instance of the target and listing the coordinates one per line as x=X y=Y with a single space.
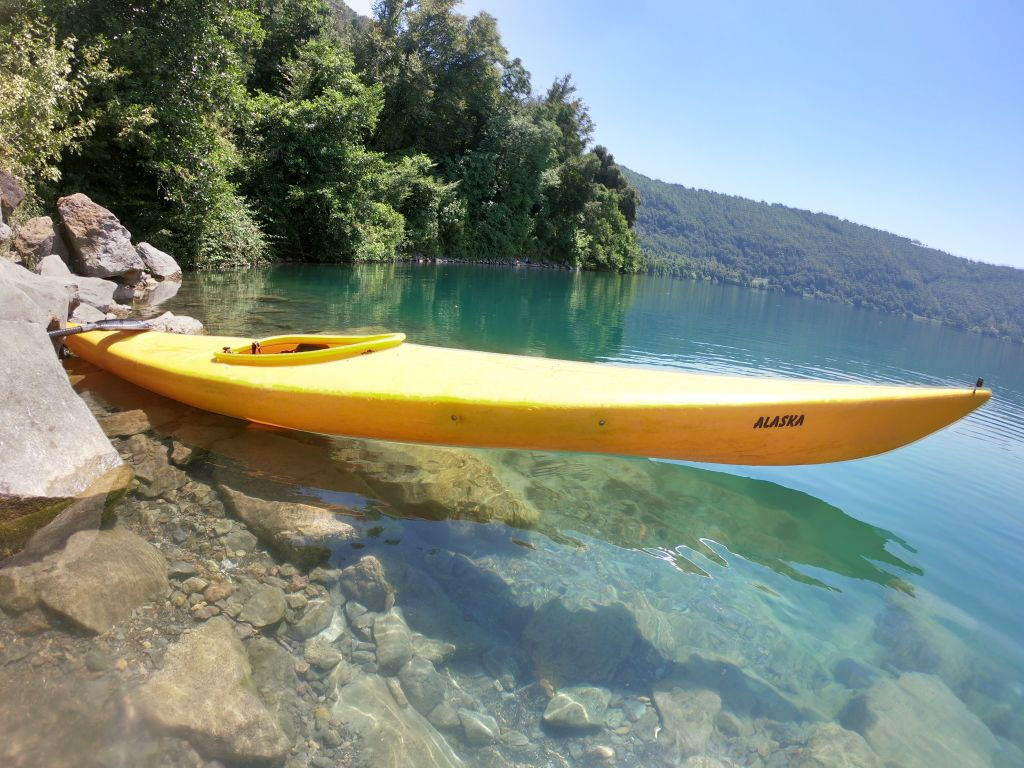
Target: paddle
x=101 y=325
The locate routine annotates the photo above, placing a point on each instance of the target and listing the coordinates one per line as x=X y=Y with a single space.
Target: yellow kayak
x=381 y=387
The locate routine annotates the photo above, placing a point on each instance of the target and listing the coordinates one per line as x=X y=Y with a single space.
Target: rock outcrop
x=205 y=694
x=161 y=265
x=102 y=247
x=300 y=533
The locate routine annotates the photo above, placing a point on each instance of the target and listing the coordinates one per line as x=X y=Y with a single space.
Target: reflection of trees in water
x=226 y=302
x=525 y=311
x=658 y=506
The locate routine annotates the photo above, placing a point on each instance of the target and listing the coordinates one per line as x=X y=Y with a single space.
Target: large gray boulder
x=11 y=194
x=38 y=238
x=101 y=576
x=27 y=296
x=94 y=291
x=205 y=694
x=50 y=444
x=100 y=244
x=161 y=265
x=298 y=532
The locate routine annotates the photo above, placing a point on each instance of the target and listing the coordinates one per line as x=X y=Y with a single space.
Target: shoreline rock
x=101 y=245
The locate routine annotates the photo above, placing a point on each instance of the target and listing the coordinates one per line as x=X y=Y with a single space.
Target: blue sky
x=906 y=116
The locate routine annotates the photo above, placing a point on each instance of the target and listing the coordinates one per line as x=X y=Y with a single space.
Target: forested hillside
x=233 y=132
x=695 y=233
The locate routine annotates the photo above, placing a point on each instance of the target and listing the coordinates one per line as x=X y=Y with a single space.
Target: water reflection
x=672 y=508
x=681 y=513
x=451 y=306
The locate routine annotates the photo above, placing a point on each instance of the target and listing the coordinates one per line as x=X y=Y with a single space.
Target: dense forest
x=234 y=132
x=706 y=235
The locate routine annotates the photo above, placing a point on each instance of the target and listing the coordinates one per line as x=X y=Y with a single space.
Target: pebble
x=296 y=602
x=194 y=584
x=181 y=568
x=321 y=654
x=218 y=590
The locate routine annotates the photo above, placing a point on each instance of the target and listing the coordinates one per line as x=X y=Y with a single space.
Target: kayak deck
x=444 y=396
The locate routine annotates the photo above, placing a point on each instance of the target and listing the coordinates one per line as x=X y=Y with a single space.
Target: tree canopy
x=231 y=132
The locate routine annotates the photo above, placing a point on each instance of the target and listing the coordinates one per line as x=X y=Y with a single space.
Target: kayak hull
x=446 y=396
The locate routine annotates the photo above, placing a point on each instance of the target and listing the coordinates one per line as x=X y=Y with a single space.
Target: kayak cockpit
x=305 y=349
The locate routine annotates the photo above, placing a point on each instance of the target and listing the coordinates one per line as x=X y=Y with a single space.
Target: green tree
x=44 y=88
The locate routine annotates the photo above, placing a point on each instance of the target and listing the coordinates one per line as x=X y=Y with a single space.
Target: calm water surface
x=775 y=582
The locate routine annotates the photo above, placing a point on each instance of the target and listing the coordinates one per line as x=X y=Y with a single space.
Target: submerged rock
x=298 y=532
x=125 y=423
x=101 y=576
x=478 y=728
x=687 y=717
x=101 y=246
x=205 y=693
x=915 y=721
x=265 y=607
x=394 y=642
x=422 y=683
x=273 y=672
x=434 y=482
x=315 y=618
x=149 y=458
x=389 y=736
x=366 y=583
x=829 y=745
x=578 y=708
x=579 y=642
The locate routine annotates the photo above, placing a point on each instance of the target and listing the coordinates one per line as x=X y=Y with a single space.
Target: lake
x=657 y=611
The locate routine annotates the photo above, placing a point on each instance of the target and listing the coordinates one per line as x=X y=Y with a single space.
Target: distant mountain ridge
x=709 y=235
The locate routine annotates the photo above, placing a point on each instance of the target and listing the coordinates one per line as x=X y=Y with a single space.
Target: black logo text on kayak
x=788 y=420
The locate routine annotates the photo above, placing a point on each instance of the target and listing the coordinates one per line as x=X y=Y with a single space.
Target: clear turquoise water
x=911 y=561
